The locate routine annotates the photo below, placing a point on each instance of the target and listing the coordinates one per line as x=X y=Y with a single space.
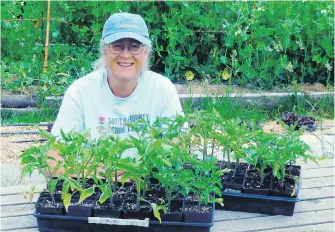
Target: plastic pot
x=282 y=191
x=105 y=210
x=84 y=209
x=144 y=211
x=192 y=213
x=43 y=208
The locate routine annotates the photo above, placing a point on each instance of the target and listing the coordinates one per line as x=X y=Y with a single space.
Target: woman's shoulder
x=157 y=80
x=91 y=81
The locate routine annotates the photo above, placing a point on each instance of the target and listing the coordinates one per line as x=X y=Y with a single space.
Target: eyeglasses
x=133 y=48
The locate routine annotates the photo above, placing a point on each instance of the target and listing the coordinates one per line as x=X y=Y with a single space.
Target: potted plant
x=36 y=158
x=109 y=150
x=205 y=184
x=79 y=162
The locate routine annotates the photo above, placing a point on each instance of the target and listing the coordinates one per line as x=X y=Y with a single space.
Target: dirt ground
x=198 y=87
x=10 y=151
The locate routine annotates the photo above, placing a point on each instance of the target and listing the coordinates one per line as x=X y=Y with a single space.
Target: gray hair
x=100 y=63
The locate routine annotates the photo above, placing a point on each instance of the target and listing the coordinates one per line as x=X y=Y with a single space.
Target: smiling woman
x=121 y=89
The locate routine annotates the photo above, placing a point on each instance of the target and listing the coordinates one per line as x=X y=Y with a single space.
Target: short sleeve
x=172 y=106
x=70 y=116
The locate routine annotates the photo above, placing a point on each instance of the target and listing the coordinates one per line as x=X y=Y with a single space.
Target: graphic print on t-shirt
x=116 y=125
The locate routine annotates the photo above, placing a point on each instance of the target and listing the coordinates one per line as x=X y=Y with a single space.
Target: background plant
x=257 y=44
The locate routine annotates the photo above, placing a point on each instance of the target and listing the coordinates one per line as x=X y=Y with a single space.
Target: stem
x=236 y=165
x=53 y=201
x=204 y=151
x=228 y=157
x=199 y=202
x=169 y=193
x=213 y=145
x=115 y=179
x=138 y=189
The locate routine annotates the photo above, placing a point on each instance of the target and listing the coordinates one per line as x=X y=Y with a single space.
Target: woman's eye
x=135 y=45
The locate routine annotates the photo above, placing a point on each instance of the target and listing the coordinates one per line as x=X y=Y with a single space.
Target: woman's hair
x=101 y=63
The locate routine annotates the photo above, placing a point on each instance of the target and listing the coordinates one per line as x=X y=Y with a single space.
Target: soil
x=106 y=206
x=132 y=206
x=85 y=204
x=229 y=180
x=194 y=208
x=287 y=188
x=177 y=196
x=292 y=171
x=125 y=195
x=154 y=187
x=241 y=168
x=191 y=197
x=48 y=204
x=255 y=183
x=203 y=87
x=198 y=87
x=150 y=197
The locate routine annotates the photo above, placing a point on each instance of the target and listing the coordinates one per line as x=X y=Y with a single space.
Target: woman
x=121 y=89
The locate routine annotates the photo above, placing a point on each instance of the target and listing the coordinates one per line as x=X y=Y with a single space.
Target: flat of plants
x=176 y=178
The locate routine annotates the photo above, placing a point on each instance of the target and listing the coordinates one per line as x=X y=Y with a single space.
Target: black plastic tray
x=236 y=201
x=57 y=223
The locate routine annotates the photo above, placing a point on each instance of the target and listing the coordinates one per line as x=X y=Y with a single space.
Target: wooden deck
x=314 y=212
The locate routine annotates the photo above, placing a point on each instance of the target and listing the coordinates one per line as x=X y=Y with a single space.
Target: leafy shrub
x=252 y=43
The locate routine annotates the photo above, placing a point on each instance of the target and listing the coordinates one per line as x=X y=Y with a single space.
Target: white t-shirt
x=89 y=103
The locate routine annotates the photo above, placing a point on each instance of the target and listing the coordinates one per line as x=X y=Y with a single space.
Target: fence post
x=45 y=66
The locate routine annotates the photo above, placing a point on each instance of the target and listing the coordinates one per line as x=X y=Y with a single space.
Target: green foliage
x=258 y=44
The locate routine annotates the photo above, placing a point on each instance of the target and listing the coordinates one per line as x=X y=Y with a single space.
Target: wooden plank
x=20 y=189
x=9 y=211
x=35 y=229
x=303 y=206
x=274 y=222
x=12 y=223
x=312 y=165
x=317 y=193
x=320 y=172
x=319 y=204
x=326 y=227
x=317 y=182
x=16 y=199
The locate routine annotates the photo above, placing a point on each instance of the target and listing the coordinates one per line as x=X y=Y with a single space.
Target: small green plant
x=79 y=161
x=109 y=150
x=206 y=181
x=36 y=158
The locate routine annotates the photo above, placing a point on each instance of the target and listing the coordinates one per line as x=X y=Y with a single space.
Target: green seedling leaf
x=73 y=184
x=47 y=135
x=220 y=201
x=65 y=188
x=86 y=193
x=66 y=200
x=52 y=186
x=155 y=210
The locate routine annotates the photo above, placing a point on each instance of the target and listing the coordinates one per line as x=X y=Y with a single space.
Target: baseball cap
x=125 y=25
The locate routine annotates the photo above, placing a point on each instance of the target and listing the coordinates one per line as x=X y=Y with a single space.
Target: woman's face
x=125 y=66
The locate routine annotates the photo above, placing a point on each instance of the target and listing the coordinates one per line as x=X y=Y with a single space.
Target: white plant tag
x=120 y=222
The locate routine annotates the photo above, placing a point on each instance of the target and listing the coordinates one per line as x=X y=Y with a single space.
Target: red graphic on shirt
x=101 y=119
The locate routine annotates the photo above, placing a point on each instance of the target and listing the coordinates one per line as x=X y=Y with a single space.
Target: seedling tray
x=236 y=201
x=71 y=223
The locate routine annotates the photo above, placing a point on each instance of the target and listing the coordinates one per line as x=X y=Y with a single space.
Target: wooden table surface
x=314 y=212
